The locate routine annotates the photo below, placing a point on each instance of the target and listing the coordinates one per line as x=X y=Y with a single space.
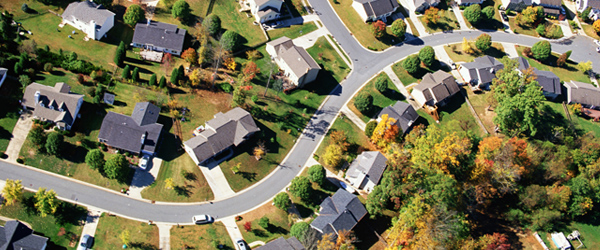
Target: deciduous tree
x=427 y=55
x=133 y=15
x=596 y=26
x=585 y=66
x=95 y=159
x=381 y=84
x=473 y=13
x=378 y=29
x=282 y=201
x=181 y=10
x=399 y=28
x=116 y=167
x=483 y=42
x=46 y=202
x=230 y=40
x=333 y=155
x=541 y=50
x=431 y=16
x=363 y=102
x=250 y=71
x=370 y=128
x=316 y=174
x=212 y=23
x=411 y=64
x=488 y=12
x=299 y=230
x=12 y=191
x=190 y=55
x=54 y=143
x=466 y=46
x=301 y=187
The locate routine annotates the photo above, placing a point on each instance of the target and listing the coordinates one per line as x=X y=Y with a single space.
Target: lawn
x=454 y=116
x=279 y=224
x=310 y=208
x=553 y=31
x=447 y=20
x=488 y=24
x=579 y=122
x=380 y=100
x=589 y=30
x=9 y=114
x=62 y=228
x=329 y=60
x=407 y=78
x=456 y=53
x=208 y=236
x=480 y=104
x=566 y=73
x=292 y=31
x=356 y=138
x=521 y=30
x=110 y=227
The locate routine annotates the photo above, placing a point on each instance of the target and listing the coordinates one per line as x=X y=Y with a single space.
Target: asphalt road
x=366 y=64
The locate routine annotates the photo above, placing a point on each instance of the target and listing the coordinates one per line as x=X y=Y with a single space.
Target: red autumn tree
x=190 y=55
x=250 y=71
x=378 y=29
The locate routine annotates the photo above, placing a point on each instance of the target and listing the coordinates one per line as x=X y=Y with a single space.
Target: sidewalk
x=510 y=50
x=337 y=49
x=308 y=40
x=459 y=17
x=353 y=117
x=19 y=135
x=217 y=181
x=232 y=228
x=144 y=178
x=164 y=235
x=91 y=222
x=399 y=85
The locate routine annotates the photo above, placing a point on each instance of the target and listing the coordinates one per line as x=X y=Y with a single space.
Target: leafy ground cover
x=456 y=53
x=407 y=78
x=110 y=227
x=292 y=31
x=200 y=237
x=447 y=20
x=380 y=100
x=279 y=224
x=566 y=73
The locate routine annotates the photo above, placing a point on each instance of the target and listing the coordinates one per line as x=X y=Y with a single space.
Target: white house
x=593 y=4
x=469 y=2
x=297 y=64
x=366 y=170
x=373 y=10
x=481 y=71
x=435 y=89
x=93 y=19
x=265 y=10
x=54 y=104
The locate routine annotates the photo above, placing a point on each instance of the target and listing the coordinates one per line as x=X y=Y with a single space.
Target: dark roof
x=126 y=132
x=378 y=7
x=298 y=60
x=404 y=114
x=583 y=93
x=369 y=164
x=549 y=81
x=87 y=11
x=222 y=132
x=523 y=64
x=418 y=3
x=16 y=235
x=483 y=68
x=437 y=86
x=281 y=243
x=342 y=211
x=51 y=100
x=556 y=3
x=3 y=71
x=109 y=98
x=159 y=34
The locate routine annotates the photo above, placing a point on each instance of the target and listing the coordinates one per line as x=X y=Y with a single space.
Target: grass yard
x=208 y=236
x=329 y=60
x=553 y=31
x=521 y=30
x=456 y=53
x=296 y=7
x=380 y=100
x=589 y=30
x=110 y=227
x=488 y=24
x=62 y=228
x=279 y=224
x=480 y=104
x=319 y=193
x=579 y=122
x=407 y=78
x=454 y=116
x=293 y=31
x=447 y=20
x=566 y=73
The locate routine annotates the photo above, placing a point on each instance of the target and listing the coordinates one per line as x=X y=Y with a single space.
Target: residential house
x=366 y=170
x=522 y=63
x=265 y=10
x=404 y=114
x=54 y=104
x=221 y=133
x=138 y=133
x=435 y=89
x=593 y=4
x=342 y=211
x=296 y=63
x=421 y=5
x=3 y=74
x=469 y=2
x=291 y=243
x=91 y=18
x=551 y=7
x=373 y=10
x=481 y=71
x=16 y=235
x=157 y=36
x=583 y=93
x=516 y=5
x=549 y=81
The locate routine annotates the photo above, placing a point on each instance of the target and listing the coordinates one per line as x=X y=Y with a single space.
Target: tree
x=431 y=16
x=37 y=135
x=125 y=237
x=116 y=166
x=411 y=64
x=473 y=13
x=135 y=76
x=488 y=12
x=95 y=159
x=466 y=46
x=196 y=77
x=299 y=230
x=301 y=187
x=250 y=71
x=181 y=10
x=253 y=55
x=377 y=201
x=126 y=74
x=562 y=60
x=133 y=15
x=48 y=67
x=163 y=82
x=541 y=30
x=25 y=8
x=370 y=128
x=585 y=14
x=585 y=66
x=317 y=174
x=381 y=135
x=333 y=155
x=483 y=42
x=381 y=84
x=363 y=102
x=204 y=54
x=230 y=40
x=12 y=191
x=212 y=23
x=399 y=28
x=338 y=137
x=120 y=54
x=239 y=96
x=54 y=143
x=264 y=222
x=174 y=76
x=378 y=29
x=152 y=81
x=532 y=14
x=190 y=55
x=282 y=201
x=24 y=80
x=326 y=242
x=181 y=73
x=427 y=55
x=541 y=50
x=46 y=202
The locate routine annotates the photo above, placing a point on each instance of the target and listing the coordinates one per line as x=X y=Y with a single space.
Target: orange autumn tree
x=385 y=133
x=190 y=55
x=250 y=71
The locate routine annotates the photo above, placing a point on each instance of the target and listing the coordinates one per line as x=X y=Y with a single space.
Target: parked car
x=86 y=242
x=597 y=49
x=144 y=162
x=347 y=187
x=504 y=17
x=240 y=244
x=597 y=42
x=202 y=219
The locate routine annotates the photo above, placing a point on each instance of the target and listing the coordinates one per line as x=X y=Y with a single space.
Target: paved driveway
x=19 y=135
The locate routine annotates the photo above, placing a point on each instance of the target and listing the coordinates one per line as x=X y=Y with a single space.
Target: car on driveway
x=347 y=187
x=86 y=242
x=144 y=162
x=240 y=244
x=202 y=219
x=597 y=42
x=504 y=17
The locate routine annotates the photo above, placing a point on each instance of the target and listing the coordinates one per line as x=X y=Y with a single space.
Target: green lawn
x=454 y=116
x=200 y=237
x=292 y=31
x=356 y=138
x=447 y=20
x=380 y=100
x=480 y=104
x=329 y=60
x=552 y=30
x=110 y=227
x=566 y=73
x=589 y=30
x=456 y=53
x=579 y=122
x=319 y=193
x=278 y=224
x=63 y=228
x=407 y=78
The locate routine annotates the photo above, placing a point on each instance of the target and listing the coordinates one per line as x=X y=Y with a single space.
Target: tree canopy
x=427 y=55
x=473 y=13
x=541 y=50
x=133 y=15
x=399 y=28
x=181 y=10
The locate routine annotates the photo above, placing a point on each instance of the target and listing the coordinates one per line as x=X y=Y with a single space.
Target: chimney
x=143 y=137
x=37 y=96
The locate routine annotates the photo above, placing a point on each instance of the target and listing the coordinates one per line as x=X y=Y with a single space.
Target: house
x=138 y=133
x=583 y=93
x=265 y=10
x=295 y=62
x=404 y=114
x=109 y=98
x=481 y=71
x=522 y=63
x=516 y=5
x=54 y=104
x=373 y=10
x=593 y=4
x=342 y=211
x=221 y=133
x=16 y=235
x=3 y=74
x=560 y=241
x=291 y=243
x=551 y=7
x=366 y=170
x=91 y=18
x=550 y=83
x=421 y=5
x=157 y=36
x=468 y=2
x=435 y=89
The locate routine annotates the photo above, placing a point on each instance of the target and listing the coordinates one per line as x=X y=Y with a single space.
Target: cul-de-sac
x=299 y=124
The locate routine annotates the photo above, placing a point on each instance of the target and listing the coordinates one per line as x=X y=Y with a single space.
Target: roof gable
x=50 y=101
x=439 y=86
x=159 y=34
x=342 y=211
x=87 y=11
x=16 y=235
x=298 y=60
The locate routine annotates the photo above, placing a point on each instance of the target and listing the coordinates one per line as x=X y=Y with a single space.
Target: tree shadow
x=259 y=233
x=68 y=213
x=276 y=229
x=182 y=191
x=248 y=175
x=142 y=245
x=303 y=210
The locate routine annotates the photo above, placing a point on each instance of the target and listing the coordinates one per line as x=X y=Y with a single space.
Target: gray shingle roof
x=126 y=132
x=281 y=243
x=53 y=100
x=15 y=235
x=370 y=163
x=159 y=34
x=342 y=211
x=295 y=57
x=378 y=7
x=429 y=2
x=583 y=93
x=3 y=71
x=556 y=3
x=549 y=81
x=439 y=86
x=87 y=11
x=523 y=64
x=483 y=68
x=404 y=114
x=261 y=2
x=222 y=132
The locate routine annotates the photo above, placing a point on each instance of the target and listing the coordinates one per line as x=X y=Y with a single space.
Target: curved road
x=366 y=64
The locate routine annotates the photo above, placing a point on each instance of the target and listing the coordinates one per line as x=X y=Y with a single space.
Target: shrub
x=212 y=23
x=363 y=102
x=483 y=42
x=473 y=13
x=254 y=98
x=488 y=12
x=399 y=28
x=527 y=52
x=226 y=87
x=152 y=81
x=230 y=40
x=541 y=30
x=381 y=84
x=370 y=128
x=248 y=226
x=264 y=222
x=48 y=67
x=541 y=50
x=282 y=201
x=411 y=64
x=126 y=72
x=317 y=174
x=427 y=55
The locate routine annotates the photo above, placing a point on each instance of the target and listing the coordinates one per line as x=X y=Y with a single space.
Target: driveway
x=144 y=178
x=19 y=135
x=459 y=17
x=217 y=181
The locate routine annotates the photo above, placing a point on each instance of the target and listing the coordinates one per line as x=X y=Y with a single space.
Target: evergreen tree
x=135 y=76
x=152 y=81
x=126 y=72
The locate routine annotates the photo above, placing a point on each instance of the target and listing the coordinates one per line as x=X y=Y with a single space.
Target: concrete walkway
x=144 y=178
x=510 y=50
x=442 y=55
x=407 y=4
x=566 y=29
x=217 y=181
x=399 y=85
x=232 y=228
x=353 y=117
x=91 y=222
x=19 y=135
x=308 y=40
x=164 y=235
x=459 y=17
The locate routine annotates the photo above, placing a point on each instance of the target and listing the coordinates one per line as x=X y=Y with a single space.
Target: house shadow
x=142 y=178
x=324 y=84
x=369 y=230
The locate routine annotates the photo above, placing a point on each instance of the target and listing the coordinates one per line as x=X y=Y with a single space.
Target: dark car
x=504 y=17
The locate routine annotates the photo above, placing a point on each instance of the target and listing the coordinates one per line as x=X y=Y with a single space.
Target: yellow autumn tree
x=326 y=242
x=379 y=134
x=12 y=192
x=440 y=150
x=230 y=64
x=333 y=155
x=488 y=147
x=169 y=183
x=467 y=47
x=196 y=77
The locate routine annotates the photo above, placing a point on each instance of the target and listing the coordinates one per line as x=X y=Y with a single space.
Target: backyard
x=586 y=124
x=110 y=227
x=279 y=224
x=9 y=114
x=208 y=236
x=446 y=21
x=456 y=53
x=293 y=31
x=569 y=72
x=407 y=78
x=380 y=100
x=455 y=116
